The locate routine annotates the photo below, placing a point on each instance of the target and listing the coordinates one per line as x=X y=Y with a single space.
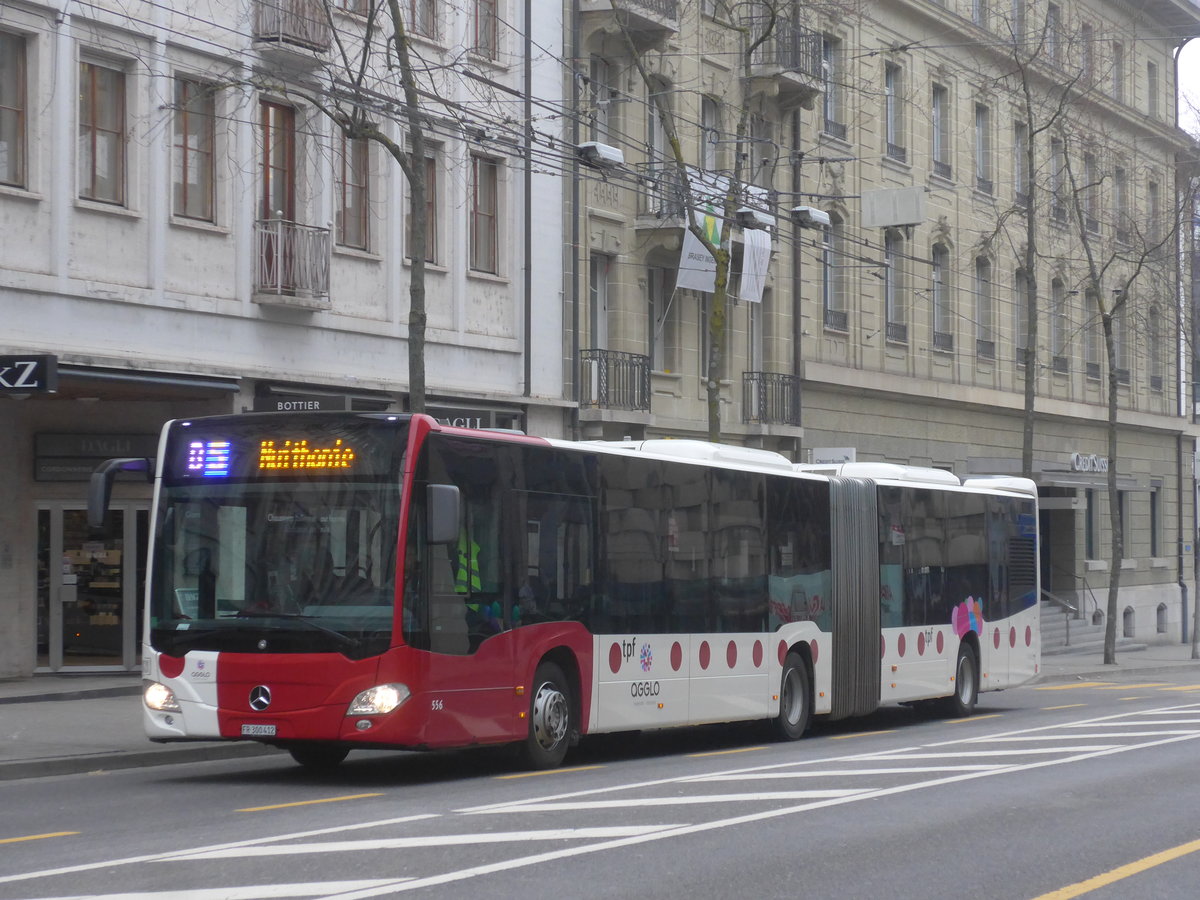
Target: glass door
x=90 y=585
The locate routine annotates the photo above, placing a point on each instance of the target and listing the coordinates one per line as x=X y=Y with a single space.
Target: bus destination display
x=211 y=459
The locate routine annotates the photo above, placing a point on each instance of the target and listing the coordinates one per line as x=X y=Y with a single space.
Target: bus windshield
x=298 y=561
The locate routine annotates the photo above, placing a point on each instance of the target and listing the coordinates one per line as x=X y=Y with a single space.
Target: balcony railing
x=1062 y=365
x=661 y=191
x=834 y=129
x=943 y=340
x=1092 y=370
x=983 y=185
x=897 y=152
x=293 y=261
x=769 y=398
x=791 y=56
x=836 y=320
x=296 y=23
x=611 y=379
x=985 y=349
x=1156 y=382
x=897 y=333
x=942 y=169
x=644 y=18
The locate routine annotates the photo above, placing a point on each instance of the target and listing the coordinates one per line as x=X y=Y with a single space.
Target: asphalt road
x=1046 y=788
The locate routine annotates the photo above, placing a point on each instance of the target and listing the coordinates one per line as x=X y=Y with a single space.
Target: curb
x=97 y=763
x=128 y=690
x=1118 y=669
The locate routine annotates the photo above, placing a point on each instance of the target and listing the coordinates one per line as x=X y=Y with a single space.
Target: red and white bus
x=324 y=582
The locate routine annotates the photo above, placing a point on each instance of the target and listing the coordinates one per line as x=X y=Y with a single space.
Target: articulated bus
x=323 y=582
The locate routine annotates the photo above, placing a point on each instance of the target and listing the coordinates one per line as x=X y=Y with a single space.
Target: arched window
x=710 y=133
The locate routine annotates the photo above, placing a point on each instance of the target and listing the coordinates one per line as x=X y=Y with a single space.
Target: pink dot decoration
x=731 y=654
x=1012 y=637
x=705 y=654
x=614 y=658
x=815 y=653
x=900 y=645
x=676 y=656
x=996 y=638
x=782 y=652
x=758 y=654
x=941 y=642
x=882 y=646
x=1028 y=636
x=921 y=644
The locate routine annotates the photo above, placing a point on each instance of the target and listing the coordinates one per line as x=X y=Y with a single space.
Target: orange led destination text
x=298 y=455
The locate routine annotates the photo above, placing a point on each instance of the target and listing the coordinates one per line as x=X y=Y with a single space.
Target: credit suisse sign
x=28 y=374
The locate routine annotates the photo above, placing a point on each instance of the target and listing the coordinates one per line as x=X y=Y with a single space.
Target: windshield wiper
x=345 y=639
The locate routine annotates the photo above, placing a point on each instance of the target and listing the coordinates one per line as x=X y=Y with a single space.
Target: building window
x=101 y=133
x=663 y=324
x=893 y=111
x=1091 y=340
x=432 y=218
x=1020 y=164
x=831 y=89
x=1058 y=168
x=278 y=135
x=1153 y=214
x=1054 y=33
x=1087 y=64
x=1155 y=523
x=941 y=132
x=1121 y=342
x=1091 y=193
x=1017 y=24
x=1060 y=326
x=979 y=13
x=192 y=176
x=487 y=40
x=710 y=133
x=1154 y=348
x=1091 y=513
x=1118 y=71
x=983 y=149
x=1121 y=204
x=1152 y=90
x=485 y=196
x=422 y=17
x=985 y=341
x=895 y=308
x=354 y=193
x=600 y=268
x=833 y=298
x=1021 y=317
x=943 y=320
x=763 y=151
x=602 y=97
x=12 y=109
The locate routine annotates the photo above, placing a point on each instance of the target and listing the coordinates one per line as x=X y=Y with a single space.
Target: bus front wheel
x=795 y=699
x=550 y=718
x=966 y=684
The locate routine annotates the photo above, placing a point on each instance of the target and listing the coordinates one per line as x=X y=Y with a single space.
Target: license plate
x=258 y=731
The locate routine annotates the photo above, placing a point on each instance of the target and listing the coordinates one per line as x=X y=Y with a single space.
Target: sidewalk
x=67 y=724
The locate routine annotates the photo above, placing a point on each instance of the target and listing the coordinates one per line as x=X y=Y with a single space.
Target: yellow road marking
x=1131 y=687
x=1182 y=687
x=37 y=837
x=549 y=772
x=972 y=719
x=1067 y=706
x=1078 y=684
x=308 y=802
x=1120 y=699
x=858 y=734
x=724 y=752
x=1121 y=872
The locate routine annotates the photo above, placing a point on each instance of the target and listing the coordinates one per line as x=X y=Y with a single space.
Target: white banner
x=756 y=256
x=698 y=267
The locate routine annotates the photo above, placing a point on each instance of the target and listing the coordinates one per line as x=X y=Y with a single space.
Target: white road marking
x=242 y=892
x=1088 y=737
x=698 y=799
x=975 y=754
x=834 y=773
x=433 y=840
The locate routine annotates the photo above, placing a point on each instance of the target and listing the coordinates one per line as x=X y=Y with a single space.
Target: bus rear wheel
x=966 y=684
x=318 y=757
x=550 y=718
x=795 y=699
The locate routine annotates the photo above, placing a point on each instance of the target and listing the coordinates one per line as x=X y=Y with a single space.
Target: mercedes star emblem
x=260 y=698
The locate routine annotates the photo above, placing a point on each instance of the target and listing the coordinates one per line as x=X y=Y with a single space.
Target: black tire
x=551 y=718
x=319 y=757
x=961 y=703
x=795 y=699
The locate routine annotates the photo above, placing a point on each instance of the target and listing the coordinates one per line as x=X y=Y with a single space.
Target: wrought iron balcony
x=943 y=170
x=660 y=191
x=983 y=185
x=943 y=340
x=834 y=129
x=293 y=264
x=897 y=332
x=837 y=320
x=1062 y=365
x=897 y=152
x=769 y=398
x=790 y=57
x=611 y=379
x=301 y=24
x=985 y=349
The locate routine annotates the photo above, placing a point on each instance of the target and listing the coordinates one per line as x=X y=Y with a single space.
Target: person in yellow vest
x=466 y=573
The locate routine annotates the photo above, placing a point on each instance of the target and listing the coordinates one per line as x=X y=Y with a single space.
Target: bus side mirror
x=100 y=485
x=442 y=513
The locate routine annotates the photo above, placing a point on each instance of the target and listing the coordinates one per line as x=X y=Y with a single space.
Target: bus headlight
x=159 y=697
x=379 y=700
